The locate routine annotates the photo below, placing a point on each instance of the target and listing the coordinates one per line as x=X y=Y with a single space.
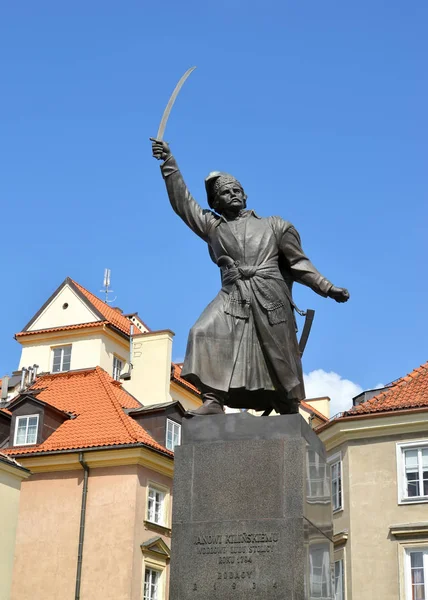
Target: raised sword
x=170 y=104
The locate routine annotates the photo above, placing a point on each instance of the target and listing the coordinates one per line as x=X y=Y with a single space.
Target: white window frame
x=317 y=489
x=407 y=570
x=341 y=563
x=333 y=460
x=320 y=575
x=116 y=373
x=28 y=417
x=173 y=424
x=163 y=511
x=401 y=472
x=159 y=591
x=62 y=347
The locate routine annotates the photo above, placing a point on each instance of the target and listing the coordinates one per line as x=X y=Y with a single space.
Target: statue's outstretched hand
x=339 y=294
x=160 y=149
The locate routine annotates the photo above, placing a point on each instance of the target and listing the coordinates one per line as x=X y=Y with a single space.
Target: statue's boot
x=213 y=404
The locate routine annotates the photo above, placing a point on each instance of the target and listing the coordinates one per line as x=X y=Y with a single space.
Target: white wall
x=55 y=315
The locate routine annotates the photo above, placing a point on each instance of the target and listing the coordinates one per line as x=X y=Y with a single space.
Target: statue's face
x=231 y=197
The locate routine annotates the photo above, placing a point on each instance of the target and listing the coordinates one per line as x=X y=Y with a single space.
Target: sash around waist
x=271 y=297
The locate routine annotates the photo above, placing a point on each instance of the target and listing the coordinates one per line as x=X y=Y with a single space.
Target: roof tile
x=410 y=391
x=97 y=401
x=112 y=315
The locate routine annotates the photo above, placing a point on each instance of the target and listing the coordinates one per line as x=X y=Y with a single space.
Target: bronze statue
x=242 y=351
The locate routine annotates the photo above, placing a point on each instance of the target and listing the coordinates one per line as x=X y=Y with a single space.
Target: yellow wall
x=89 y=349
x=151 y=373
x=10 y=484
x=374 y=508
x=374 y=557
x=48 y=533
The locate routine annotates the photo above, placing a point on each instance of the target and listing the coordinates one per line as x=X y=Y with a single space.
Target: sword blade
x=170 y=104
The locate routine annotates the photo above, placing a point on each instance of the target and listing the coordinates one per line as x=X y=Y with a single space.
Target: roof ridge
x=115 y=402
x=114 y=317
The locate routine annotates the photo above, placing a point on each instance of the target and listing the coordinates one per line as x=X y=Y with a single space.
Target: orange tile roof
x=111 y=315
x=176 y=376
x=62 y=328
x=5 y=411
x=410 y=391
x=313 y=410
x=97 y=402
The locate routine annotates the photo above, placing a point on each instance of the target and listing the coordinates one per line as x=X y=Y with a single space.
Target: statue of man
x=242 y=351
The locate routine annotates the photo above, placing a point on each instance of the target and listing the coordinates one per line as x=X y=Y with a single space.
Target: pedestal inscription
x=241 y=508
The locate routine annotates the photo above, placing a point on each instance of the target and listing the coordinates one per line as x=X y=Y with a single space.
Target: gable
x=66 y=307
x=156 y=546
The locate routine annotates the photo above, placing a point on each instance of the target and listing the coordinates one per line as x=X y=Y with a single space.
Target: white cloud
x=340 y=391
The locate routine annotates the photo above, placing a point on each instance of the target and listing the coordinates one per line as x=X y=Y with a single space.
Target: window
x=412 y=462
x=151 y=585
x=320 y=573
x=336 y=484
x=156 y=506
x=336 y=471
x=316 y=480
x=61 y=359
x=26 y=430
x=417 y=574
x=173 y=434
x=117 y=367
x=339 y=582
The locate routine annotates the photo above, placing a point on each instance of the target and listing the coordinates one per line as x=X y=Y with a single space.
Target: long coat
x=245 y=340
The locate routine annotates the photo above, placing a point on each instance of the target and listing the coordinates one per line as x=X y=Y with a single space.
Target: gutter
x=24 y=455
x=82 y=525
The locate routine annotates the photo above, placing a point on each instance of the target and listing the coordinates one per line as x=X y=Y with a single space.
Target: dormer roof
x=97 y=403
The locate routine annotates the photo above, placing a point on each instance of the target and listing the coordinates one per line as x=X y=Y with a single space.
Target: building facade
x=94 y=412
x=378 y=455
x=11 y=476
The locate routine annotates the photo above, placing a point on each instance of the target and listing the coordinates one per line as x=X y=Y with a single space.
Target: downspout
x=82 y=525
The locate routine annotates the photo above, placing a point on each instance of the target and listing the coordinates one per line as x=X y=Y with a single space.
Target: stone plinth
x=252 y=514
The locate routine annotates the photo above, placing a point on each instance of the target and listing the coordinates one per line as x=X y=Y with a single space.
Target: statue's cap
x=216 y=180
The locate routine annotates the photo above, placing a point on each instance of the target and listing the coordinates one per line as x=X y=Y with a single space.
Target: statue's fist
x=160 y=149
x=339 y=294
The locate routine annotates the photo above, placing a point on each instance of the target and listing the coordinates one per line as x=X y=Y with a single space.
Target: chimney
x=23 y=379
x=4 y=388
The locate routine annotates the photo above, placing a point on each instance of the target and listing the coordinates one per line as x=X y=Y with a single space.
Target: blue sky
x=319 y=108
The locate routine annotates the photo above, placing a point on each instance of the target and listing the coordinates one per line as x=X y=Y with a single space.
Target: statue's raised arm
x=200 y=221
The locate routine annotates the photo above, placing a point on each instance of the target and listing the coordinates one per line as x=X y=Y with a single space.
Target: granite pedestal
x=252 y=513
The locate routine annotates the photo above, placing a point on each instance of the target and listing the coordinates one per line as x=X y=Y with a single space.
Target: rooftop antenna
x=106 y=285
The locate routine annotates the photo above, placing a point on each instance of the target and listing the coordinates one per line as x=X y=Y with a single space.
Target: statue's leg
x=213 y=403
x=284 y=405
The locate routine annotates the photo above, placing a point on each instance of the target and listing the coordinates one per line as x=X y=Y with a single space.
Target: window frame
x=15 y=435
x=322 y=494
x=341 y=562
x=122 y=362
x=407 y=569
x=176 y=424
x=151 y=485
x=401 y=472
x=331 y=461
x=148 y=566
x=60 y=347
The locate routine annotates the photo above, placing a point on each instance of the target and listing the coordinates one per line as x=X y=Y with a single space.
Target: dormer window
x=26 y=430
x=117 y=367
x=61 y=359
x=173 y=434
